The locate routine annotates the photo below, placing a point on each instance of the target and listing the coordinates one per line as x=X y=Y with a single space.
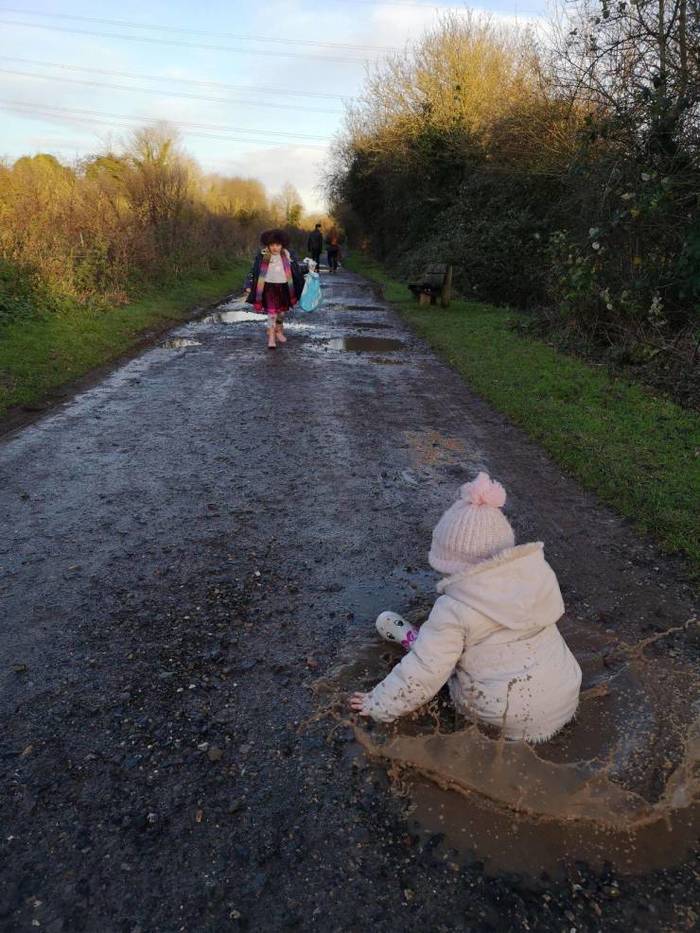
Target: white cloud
x=342 y=22
x=302 y=166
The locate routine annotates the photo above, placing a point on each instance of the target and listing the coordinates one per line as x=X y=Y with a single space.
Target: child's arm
x=422 y=672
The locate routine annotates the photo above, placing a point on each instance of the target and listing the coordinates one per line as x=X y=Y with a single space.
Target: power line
x=162 y=93
x=183 y=123
x=111 y=124
x=438 y=7
x=185 y=45
x=425 y=4
x=124 y=120
x=202 y=32
x=412 y=3
x=287 y=92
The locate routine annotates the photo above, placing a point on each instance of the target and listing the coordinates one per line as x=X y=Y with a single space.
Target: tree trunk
x=446 y=294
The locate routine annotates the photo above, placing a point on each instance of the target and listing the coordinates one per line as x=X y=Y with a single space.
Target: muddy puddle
x=242 y=316
x=233 y=316
x=179 y=343
x=619 y=785
x=431 y=448
x=348 y=304
x=365 y=344
x=371 y=325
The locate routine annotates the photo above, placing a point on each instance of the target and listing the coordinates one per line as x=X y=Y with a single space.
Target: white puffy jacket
x=493 y=634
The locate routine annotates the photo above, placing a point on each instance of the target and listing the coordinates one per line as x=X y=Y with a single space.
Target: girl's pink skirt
x=275 y=298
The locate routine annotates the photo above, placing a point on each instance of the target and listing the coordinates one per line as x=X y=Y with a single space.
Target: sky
x=255 y=89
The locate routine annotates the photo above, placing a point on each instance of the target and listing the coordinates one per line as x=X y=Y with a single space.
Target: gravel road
x=187 y=547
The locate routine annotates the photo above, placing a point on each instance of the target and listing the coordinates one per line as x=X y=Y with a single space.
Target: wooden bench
x=435 y=281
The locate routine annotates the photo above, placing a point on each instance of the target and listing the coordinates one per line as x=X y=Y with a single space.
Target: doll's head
x=473 y=529
x=274 y=240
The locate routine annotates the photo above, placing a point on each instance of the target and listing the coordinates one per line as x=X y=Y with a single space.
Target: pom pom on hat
x=484 y=491
x=473 y=529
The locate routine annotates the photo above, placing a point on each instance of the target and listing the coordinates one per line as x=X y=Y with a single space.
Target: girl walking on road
x=492 y=633
x=274 y=283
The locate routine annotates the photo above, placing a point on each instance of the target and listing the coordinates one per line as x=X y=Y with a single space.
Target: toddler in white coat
x=492 y=633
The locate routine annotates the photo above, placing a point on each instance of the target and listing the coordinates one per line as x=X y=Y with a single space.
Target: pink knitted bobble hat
x=473 y=529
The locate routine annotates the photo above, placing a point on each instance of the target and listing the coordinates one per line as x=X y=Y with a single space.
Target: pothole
x=365 y=344
x=350 y=304
x=180 y=343
x=233 y=317
x=430 y=447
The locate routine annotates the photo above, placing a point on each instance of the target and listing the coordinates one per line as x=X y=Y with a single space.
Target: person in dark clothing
x=315 y=244
x=333 y=249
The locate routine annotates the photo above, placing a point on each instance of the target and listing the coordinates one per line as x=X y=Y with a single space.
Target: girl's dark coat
x=252 y=278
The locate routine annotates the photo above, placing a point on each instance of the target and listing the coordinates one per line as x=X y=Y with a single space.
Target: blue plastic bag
x=311 y=297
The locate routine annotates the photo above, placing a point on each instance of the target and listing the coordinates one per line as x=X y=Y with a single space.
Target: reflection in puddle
x=620 y=784
x=179 y=343
x=241 y=316
x=348 y=304
x=365 y=344
x=339 y=307
x=295 y=324
x=371 y=325
x=233 y=317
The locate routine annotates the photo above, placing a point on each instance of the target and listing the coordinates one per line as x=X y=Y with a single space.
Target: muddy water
x=233 y=316
x=180 y=343
x=371 y=325
x=621 y=784
x=350 y=303
x=430 y=448
x=365 y=344
x=240 y=315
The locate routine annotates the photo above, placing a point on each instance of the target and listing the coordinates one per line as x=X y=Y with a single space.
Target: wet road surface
x=186 y=549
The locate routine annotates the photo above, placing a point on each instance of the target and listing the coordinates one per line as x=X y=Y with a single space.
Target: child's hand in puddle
x=357 y=701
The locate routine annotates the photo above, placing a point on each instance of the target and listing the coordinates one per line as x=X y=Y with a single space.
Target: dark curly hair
x=274 y=236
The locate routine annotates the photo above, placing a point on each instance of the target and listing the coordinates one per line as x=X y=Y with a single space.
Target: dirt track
x=188 y=546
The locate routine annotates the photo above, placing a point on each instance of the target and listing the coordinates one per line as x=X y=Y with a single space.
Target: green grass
x=41 y=353
x=638 y=452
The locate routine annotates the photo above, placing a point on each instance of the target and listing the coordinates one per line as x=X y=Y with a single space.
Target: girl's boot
x=279 y=332
x=392 y=627
x=271 y=345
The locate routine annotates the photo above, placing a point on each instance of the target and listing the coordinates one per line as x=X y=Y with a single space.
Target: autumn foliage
x=556 y=170
x=119 y=221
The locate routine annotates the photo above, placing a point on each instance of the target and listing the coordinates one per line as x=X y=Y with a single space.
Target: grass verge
x=638 y=452
x=41 y=353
